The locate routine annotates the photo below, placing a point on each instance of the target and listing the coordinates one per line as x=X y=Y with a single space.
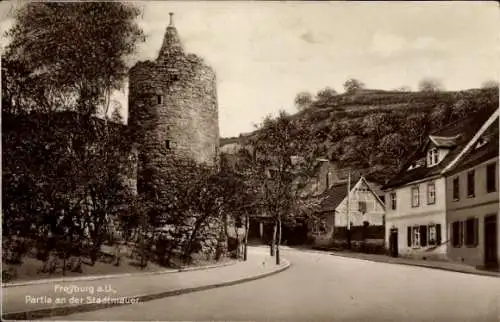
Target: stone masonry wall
x=173 y=108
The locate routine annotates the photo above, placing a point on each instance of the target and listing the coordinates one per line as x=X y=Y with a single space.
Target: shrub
x=9 y=274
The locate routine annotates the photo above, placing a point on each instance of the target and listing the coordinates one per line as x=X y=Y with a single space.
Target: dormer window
x=481 y=142
x=432 y=157
x=414 y=165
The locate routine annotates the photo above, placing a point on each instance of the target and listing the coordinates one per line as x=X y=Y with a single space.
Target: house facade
x=416 y=198
x=472 y=201
x=416 y=218
x=366 y=212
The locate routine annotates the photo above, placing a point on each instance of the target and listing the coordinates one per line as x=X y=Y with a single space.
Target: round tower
x=173 y=110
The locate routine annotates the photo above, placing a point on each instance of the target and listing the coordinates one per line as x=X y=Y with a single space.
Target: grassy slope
x=338 y=122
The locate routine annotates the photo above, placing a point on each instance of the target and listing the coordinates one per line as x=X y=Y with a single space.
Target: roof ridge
x=456 y=136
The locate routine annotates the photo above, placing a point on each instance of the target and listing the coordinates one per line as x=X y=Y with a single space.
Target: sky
x=264 y=53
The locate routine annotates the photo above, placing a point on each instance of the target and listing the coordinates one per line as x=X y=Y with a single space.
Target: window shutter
x=476 y=232
x=409 y=236
x=438 y=234
x=460 y=233
x=423 y=236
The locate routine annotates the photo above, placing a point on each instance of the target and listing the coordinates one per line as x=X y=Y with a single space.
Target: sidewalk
x=39 y=300
x=443 y=265
x=432 y=264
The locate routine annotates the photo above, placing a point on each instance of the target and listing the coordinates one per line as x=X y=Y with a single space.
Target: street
x=321 y=287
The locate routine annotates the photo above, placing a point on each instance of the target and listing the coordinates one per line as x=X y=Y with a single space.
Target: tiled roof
x=333 y=197
x=481 y=154
x=463 y=130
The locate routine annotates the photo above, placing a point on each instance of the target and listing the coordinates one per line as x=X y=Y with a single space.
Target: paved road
x=321 y=287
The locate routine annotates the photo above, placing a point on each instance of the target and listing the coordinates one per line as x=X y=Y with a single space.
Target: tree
x=72 y=160
x=326 y=93
x=285 y=157
x=404 y=89
x=353 y=85
x=83 y=61
x=394 y=147
x=490 y=84
x=417 y=128
x=461 y=108
x=303 y=100
x=377 y=124
x=251 y=199
x=430 y=85
x=116 y=116
x=439 y=115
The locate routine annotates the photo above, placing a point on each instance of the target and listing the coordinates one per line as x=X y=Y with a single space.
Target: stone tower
x=173 y=110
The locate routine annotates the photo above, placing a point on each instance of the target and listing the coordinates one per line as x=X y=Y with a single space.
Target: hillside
x=376 y=130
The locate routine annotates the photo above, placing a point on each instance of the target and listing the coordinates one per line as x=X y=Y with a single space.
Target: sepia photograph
x=250 y=160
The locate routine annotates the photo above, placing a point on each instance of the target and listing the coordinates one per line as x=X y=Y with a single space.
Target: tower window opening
x=168 y=145
x=159 y=99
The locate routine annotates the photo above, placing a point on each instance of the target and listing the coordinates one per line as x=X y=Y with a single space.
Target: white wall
x=374 y=209
x=425 y=214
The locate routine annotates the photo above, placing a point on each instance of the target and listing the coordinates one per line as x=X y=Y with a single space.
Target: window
x=168 y=145
x=456 y=234
x=470 y=184
x=471 y=235
x=319 y=228
x=416 y=236
x=456 y=189
x=432 y=235
x=424 y=235
x=159 y=99
x=491 y=178
x=431 y=193
x=481 y=142
x=415 y=197
x=362 y=206
x=432 y=157
x=393 y=200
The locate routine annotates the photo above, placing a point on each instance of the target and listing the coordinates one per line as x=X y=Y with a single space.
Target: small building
x=366 y=215
x=416 y=207
x=472 y=200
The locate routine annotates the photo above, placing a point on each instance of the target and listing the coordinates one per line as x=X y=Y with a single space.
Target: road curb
x=61 y=311
x=113 y=276
x=479 y=273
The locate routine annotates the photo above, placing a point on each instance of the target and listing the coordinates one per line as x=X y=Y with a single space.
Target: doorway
x=490 y=242
x=393 y=242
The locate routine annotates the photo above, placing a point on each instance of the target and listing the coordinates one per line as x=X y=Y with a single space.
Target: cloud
x=427 y=43
x=387 y=45
x=308 y=37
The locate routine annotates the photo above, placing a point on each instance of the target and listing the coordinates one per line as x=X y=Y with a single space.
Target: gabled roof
x=485 y=126
x=475 y=156
x=333 y=197
x=461 y=132
x=338 y=192
x=444 y=141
